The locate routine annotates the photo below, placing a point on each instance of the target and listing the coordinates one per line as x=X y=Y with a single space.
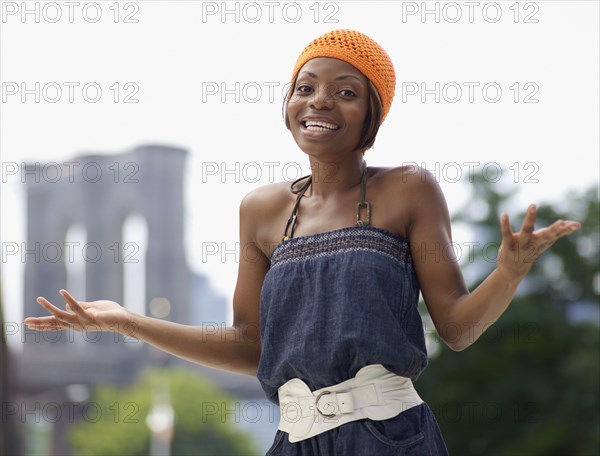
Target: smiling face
x=328 y=107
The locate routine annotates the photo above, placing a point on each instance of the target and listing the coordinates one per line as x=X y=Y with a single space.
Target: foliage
x=530 y=384
x=200 y=424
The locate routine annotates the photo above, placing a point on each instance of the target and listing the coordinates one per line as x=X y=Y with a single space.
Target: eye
x=303 y=88
x=347 y=93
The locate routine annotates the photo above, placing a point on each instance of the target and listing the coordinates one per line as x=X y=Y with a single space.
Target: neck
x=330 y=178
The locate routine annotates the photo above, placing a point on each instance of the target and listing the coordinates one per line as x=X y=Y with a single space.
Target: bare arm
x=461 y=317
x=236 y=348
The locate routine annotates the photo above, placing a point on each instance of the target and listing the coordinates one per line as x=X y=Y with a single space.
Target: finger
x=527 y=226
x=58 y=313
x=505 y=230
x=39 y=320
x=48 y=327
x=546 y=237
x=81 y=313
x=565 y=228
x=557 y=230
x=568 y=227
x=43 y=323
x=72 y=303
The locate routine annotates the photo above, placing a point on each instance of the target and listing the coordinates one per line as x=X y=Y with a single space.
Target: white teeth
x=318 y=123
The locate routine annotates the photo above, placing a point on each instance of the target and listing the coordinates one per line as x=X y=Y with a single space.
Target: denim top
x=337 y=301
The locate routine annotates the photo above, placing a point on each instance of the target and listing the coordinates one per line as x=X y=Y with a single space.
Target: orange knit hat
x=359 y=51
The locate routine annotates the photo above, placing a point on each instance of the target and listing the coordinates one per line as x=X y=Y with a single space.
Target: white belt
x=374 y=393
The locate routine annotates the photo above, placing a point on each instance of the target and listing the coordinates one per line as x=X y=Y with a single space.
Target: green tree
x=200 y=425
x=530 y=384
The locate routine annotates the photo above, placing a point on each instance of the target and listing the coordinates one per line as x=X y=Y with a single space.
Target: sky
x=480 y=86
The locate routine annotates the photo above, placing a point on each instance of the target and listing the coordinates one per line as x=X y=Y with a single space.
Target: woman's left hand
x=518 y=251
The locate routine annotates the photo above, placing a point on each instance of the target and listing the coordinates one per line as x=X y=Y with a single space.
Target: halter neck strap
x=291 y=223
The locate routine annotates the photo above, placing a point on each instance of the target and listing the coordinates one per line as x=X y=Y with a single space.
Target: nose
x=323 y=97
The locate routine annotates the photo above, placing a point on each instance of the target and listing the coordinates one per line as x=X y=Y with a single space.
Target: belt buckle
x=327 y=415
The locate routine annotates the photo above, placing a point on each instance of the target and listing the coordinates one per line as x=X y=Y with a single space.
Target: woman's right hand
x=81 y=316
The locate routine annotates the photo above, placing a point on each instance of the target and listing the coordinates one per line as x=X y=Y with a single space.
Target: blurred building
x=7 y=441
x=105 y=227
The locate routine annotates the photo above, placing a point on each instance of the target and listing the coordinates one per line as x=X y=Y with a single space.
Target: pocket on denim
x=403 y=430
x=277 y=442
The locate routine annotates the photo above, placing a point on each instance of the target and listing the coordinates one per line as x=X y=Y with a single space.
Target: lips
x=318 y=127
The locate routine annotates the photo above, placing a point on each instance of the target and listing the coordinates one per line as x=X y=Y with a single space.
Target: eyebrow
x=344 y=76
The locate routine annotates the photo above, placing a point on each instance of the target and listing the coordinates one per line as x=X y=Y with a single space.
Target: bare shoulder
x=412 y=181
x=407 y=192
x=406 y=176
x=264 y=198
x=263 y=213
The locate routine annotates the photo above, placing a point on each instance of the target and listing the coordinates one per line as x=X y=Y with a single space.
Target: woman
x=335 y=300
